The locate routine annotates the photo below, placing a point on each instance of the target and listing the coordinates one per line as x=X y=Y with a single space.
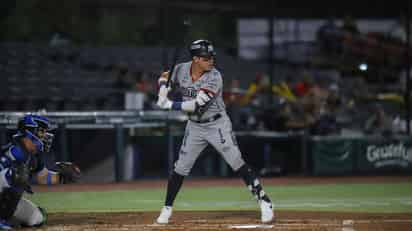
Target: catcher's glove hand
x=68 y=172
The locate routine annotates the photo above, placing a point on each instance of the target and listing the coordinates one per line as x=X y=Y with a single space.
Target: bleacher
x=82 y=78
x=37 y=77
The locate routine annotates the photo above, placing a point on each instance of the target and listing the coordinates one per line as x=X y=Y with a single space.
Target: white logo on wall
x=389 y=155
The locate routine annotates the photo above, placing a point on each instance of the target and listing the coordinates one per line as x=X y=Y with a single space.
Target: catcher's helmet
x=202 y=48
x=31 y=122
x=29 y=127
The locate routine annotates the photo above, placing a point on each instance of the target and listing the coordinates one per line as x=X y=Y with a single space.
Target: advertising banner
x=333 y=157
x=363 y=155
x=385 y=156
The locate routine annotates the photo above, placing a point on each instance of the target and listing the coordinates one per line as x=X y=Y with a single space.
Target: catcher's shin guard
x=29 y=214
x=44 y=215
x=9 y=200
x=37 y=219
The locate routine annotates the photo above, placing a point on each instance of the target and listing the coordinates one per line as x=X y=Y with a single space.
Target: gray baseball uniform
x=212 y=127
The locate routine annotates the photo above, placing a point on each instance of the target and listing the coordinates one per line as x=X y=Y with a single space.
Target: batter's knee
x=236 y=163
x=182 y=169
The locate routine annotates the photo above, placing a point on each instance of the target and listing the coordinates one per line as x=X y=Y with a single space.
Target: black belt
x=210 y=119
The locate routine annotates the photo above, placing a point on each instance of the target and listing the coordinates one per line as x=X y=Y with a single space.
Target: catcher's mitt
x=68 y=172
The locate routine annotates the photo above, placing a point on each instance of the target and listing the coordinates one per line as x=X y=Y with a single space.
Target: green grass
x=387 y=198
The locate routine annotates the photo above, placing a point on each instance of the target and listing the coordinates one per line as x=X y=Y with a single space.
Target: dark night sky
x=280 y=8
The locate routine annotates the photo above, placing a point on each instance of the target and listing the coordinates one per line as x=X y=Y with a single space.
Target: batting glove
x=203 y=98
x=164 y=103
x=163 y=78
x=163 y=91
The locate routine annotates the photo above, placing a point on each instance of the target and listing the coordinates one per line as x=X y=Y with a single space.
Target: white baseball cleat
x=266 y=209
x=164 y=216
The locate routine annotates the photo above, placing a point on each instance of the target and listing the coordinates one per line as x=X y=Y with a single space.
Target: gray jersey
x=210 y=81
x=218 y=132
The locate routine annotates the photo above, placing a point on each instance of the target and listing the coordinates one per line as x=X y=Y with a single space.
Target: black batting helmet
x=202 y=48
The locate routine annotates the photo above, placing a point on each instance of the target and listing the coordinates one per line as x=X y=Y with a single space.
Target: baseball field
x=301 y=203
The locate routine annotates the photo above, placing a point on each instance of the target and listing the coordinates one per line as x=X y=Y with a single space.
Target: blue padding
x=49 y=178
x=18 y=153
x=177 y=106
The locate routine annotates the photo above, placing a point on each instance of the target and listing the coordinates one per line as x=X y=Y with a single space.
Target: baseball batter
x=201 y=86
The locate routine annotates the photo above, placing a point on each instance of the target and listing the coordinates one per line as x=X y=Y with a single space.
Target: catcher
x=21 y=165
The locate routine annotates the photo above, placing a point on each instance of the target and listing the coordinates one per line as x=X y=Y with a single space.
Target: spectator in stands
x=302 y=87
x=280 y=118
x=327 y=123
x=360 y=90
x=378 y=123
x=254 y=99
x=147 y=84
x=398 y=30
x=233 y=98
x=349 y=25
x=288 y=116
x=306 y=86
x=308 y=113
x=59 y=39
x=328 y=37
x=121 y=85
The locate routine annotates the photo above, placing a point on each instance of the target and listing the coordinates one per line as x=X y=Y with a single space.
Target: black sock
x=253 y=184
x=173 y=187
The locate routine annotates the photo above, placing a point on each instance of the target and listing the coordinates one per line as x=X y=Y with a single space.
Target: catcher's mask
x=202 y=48
x=36 y=128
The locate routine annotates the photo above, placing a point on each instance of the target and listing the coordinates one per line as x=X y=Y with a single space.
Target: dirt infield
x=228 y=220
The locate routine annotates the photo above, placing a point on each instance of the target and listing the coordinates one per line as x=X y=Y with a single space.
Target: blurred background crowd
x=80 y=57
x=103 y=55
x=290 y=68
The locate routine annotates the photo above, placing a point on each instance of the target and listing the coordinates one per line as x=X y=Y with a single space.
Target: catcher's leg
x=8 y=202
x=9 y=199
x=29 y=214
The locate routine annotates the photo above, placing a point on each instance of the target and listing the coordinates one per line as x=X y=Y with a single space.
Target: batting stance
x=20 y=165
x=201 y=85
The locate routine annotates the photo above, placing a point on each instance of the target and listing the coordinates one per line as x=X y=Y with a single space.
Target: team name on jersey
x=189 y=92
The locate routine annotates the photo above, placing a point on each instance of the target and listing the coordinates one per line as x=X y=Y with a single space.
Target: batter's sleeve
x=214 y=83
x=174 y=77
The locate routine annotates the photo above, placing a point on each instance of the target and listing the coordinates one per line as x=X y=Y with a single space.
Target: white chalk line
x=306 y=202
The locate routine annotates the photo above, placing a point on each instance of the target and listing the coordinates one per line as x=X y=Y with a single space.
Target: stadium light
x=363 y=67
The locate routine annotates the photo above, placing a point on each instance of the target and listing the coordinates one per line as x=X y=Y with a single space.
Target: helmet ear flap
x=20 y=126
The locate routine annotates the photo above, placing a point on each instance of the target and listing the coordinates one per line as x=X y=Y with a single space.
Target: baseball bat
x=186 y=24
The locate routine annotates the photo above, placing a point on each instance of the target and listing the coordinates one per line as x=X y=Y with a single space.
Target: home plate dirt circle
x=229 y=220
